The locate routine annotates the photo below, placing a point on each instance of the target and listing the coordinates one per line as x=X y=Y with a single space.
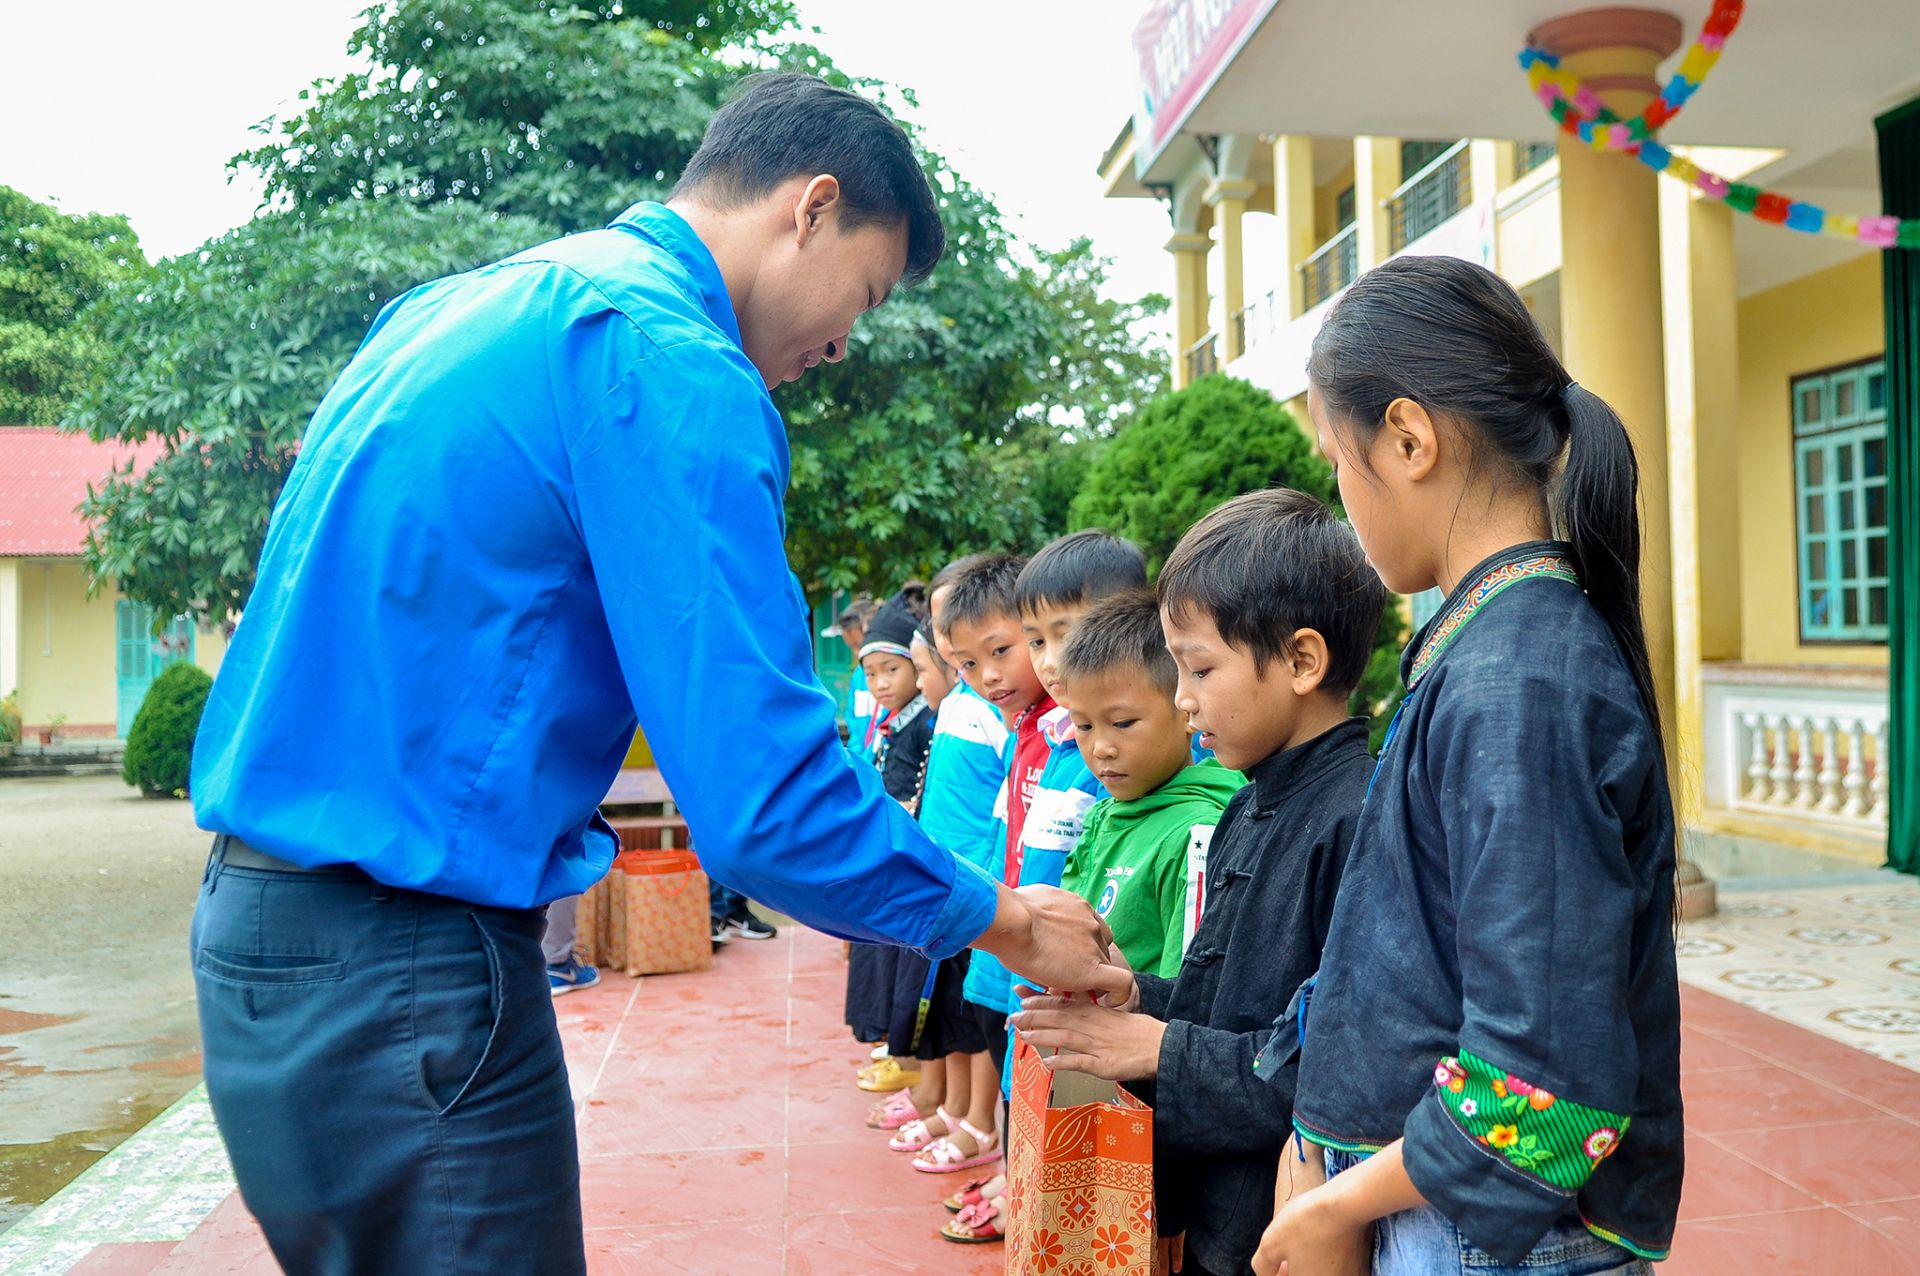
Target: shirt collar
x=1281 y=775
x=1057 y=725
x=662 y=226
x=1488 y=577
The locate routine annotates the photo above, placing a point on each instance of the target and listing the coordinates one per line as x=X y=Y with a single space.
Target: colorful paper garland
x=1578 y=111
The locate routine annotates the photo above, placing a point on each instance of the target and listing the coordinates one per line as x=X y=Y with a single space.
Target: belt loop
x=380 y=892
x=215 y=861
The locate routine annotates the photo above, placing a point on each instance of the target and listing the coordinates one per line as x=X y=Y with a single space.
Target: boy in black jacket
x=1269 y=608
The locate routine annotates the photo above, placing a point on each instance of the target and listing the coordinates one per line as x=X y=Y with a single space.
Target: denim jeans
x=1423 y=1242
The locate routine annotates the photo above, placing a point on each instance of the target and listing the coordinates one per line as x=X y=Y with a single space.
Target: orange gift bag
x=667 y=918
x=1080 y=1175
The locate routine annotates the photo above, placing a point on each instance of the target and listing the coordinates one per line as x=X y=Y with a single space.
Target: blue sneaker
x=571 y=976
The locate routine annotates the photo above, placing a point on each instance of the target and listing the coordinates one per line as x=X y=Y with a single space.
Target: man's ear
x=1412 y=441
x=819 y=199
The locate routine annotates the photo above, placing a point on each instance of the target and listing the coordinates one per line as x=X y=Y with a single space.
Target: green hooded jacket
x=1131 y=862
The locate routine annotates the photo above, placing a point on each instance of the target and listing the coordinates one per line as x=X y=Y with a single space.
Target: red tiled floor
x=1843 y=1163
x=1817 y=1242
x=135 y=1258
x=721 y=1133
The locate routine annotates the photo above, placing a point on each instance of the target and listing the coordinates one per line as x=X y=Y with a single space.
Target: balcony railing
x=1431 y=196
x=1203 y=357
x=1806 y=745
x=1260 y=319
x=1332 y=267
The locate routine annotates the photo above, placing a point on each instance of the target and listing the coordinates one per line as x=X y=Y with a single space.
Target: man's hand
x=1091 y=1038
x=1054 y=938
x=1169 y=1254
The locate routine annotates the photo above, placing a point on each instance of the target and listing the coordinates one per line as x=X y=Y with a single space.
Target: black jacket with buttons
x=1272 y=871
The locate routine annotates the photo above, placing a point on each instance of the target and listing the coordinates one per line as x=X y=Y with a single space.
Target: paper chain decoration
x=1578 y=111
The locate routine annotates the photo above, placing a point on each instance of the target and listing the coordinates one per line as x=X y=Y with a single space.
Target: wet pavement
x=97 y=1029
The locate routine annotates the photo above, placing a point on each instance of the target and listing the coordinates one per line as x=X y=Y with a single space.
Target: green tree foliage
x=1187 y=452
x=160 y=742
x=222 y=355
x=52 y=266
x=483 y=126
x=567 y=113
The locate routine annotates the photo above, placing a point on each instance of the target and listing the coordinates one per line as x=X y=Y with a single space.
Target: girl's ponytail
x=1597 y=504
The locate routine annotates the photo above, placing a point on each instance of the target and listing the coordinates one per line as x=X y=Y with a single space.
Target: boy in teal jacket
x=1145 y=845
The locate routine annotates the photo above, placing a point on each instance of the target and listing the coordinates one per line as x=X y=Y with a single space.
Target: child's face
x=991 y=655
x=1385 y=511
x=1243 y=714
x=1130 y=732
x=1046 y=631
x=934 y=681
x=891 y=679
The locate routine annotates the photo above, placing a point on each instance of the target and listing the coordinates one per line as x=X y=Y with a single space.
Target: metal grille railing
x=1332 y=267
x=1431 y=196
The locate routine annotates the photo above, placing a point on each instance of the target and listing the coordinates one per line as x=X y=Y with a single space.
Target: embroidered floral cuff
x=1552 y=1139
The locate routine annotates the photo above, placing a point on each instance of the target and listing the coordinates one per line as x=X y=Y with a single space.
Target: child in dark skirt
x=886 y=656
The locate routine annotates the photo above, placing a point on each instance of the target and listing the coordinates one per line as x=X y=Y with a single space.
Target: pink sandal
x=969 y=1194
x=978 y=1224
x=914 y=1136
x=943 y=1156
x=895 y=1112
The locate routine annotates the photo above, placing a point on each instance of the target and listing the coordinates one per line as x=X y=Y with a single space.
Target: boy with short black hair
x=1050 y=789
x=1269 y=608
x=1135 y=857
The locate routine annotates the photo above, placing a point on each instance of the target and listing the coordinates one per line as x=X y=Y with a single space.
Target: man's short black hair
x=782 y=125
x=1121 y=632
x=1081 y=567
x=981 y=590
x=1268 y=563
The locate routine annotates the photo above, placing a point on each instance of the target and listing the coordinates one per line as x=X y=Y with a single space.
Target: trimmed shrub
x=160 y=745
x=1190 y=450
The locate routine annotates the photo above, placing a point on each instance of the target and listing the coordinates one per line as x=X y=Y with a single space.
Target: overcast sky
x=134 y=106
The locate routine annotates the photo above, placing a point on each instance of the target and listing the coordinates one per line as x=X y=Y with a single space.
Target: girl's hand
x=1311 y=1237
x=1089 y=1037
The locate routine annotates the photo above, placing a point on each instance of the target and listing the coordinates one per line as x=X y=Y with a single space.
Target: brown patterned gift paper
x=1080 y=1175
x=586 y=924
x=666 y=914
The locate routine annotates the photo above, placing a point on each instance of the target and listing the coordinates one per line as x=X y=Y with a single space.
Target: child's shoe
x=914 y=1136
x=943 y=1156
x=570 y=976
x=888 y=1076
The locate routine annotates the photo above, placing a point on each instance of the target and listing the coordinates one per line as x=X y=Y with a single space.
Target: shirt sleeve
x=1209 y=1100
x=1534 y=782
x=678 y=484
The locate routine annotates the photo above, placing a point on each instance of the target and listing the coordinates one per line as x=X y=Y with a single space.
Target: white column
x=9 y=625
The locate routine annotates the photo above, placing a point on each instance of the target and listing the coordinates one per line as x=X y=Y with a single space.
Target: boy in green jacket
x=1143 y=848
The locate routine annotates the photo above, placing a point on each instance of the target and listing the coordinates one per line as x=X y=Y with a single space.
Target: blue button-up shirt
x=544 y=500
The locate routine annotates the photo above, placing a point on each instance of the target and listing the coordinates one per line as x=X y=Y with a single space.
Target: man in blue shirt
x=544 y=500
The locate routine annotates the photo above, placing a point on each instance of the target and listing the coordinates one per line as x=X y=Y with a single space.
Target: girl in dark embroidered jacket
x=1490 y=1053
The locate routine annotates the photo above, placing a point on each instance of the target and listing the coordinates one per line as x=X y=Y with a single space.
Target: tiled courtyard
x=720 y=1131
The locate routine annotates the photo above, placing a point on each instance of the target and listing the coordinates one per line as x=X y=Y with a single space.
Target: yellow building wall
x=1326 y=206
x=1820 y=321
x=66 y=647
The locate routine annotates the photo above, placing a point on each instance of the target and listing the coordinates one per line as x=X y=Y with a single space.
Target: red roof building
x=44 y=473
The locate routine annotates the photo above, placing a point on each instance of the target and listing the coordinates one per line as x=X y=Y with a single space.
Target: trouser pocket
x=459 y=998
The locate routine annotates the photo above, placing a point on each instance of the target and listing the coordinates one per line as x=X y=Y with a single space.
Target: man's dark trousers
x=386 y=1072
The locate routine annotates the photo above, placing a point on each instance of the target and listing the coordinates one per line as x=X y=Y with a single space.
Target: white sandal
x=943 y=1156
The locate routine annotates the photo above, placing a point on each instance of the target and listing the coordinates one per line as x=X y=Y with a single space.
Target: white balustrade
x=1804 y=744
